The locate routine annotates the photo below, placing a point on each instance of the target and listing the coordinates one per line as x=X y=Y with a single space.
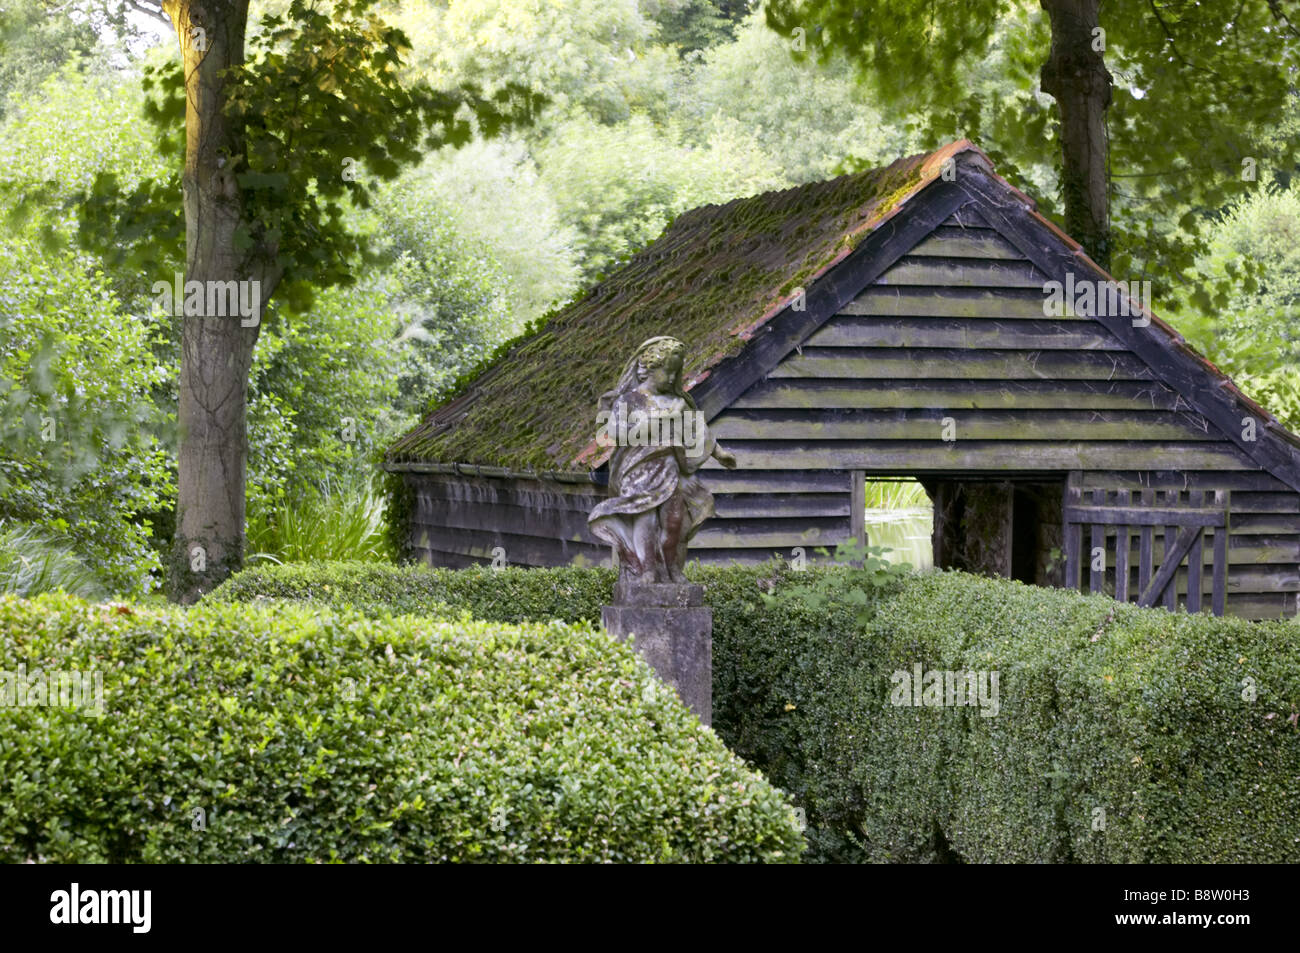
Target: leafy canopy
x=1199 y=88
x=324 y=113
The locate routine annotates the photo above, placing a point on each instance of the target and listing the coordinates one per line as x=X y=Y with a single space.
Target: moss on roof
x=715 y=276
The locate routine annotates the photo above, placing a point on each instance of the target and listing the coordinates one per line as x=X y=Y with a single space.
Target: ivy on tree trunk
x=1075 y=75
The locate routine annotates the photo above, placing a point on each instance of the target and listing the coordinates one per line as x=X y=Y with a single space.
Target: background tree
x=277 y=144
x=1157 y=103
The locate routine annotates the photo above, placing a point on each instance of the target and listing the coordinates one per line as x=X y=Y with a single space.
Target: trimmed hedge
x=308 y=735
x=1123 y=734
x=507 y=595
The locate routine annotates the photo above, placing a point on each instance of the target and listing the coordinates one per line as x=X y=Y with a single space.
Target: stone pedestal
x=673 y=631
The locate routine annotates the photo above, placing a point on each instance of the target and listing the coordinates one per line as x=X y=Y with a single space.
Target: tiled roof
x=715 y=276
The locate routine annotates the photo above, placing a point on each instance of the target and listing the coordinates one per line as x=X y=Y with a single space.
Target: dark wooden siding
x=1263 y=542
x=953 y=333
x=459 y=520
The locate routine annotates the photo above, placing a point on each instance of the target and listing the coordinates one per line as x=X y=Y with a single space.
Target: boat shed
x=921 y=321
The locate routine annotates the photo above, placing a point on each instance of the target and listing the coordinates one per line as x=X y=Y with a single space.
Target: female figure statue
x=660 y=440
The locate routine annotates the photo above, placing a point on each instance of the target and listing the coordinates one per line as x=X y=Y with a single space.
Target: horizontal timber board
x=475 y=490
x=1267 y=523
x=720 y=480
x=1144 y=515
x=1184 y=479
x=852 y=330
x=519 y=550
x=898 y=457
x=519 y=520
x=906 y=301
x=539 y=502
x=961 y=364
x=975 y=395
x=779 y=533
x=1256 y=524
x=1261 y=605
x=1283 y=554
x=785 y=505
x=1245 y=501
x=1242 y=549
x=949 y=241
x=963 y=273
x=1241 y=578
x=958 y=424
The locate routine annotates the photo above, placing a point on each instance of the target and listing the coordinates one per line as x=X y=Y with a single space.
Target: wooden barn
x=921 y=320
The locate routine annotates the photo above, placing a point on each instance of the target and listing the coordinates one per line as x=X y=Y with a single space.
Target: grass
x=896 y=495
x=33 y=561
x=340 y=519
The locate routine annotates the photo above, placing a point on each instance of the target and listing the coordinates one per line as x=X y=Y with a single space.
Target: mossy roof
x=712 y=279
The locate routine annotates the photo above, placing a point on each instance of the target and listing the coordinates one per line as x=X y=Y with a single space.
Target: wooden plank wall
x=459 y=520
x=952 y=341
x=955 y=330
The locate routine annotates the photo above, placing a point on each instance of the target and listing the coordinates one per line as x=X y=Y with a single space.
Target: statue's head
x=660 y=360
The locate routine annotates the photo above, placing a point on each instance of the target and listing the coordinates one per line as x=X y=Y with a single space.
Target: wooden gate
x=1108 y=522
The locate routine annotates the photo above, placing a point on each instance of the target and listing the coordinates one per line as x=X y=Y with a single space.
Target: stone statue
x=660 y=440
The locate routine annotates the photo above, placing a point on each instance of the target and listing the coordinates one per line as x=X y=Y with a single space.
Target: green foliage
x=311 y=736
x=808 y=117
x=693 y=25
x=622 y=185
x=35 y=42
x=80 y=436
x=861 y=569
x=1254 y=249
x=322 y=391
x=483 y=208
x=323 y=113
x=589 y=56
x=506 y=595
x=33 y=561
x=895 y=495
x=340 y=519
x=1139 y=712
x=1198 y=88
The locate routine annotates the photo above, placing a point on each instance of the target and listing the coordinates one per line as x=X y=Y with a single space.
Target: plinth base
x=677 y=641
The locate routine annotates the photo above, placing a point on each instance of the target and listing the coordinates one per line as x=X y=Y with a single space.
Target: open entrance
x=1006 y=528
x=900 y=516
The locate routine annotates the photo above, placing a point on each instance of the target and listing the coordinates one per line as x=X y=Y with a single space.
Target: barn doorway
x=1008 y=528
x=900 y=515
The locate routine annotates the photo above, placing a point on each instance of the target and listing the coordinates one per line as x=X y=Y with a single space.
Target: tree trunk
x=1075 y=75
x=216 y=350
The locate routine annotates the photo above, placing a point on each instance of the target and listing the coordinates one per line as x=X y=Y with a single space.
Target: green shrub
x=1122 y=734
x=1138 y=713
x=307 y=735
x=506 y=595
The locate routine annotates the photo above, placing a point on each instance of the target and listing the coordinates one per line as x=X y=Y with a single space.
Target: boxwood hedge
x=1122 y=734
x=294 y=733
